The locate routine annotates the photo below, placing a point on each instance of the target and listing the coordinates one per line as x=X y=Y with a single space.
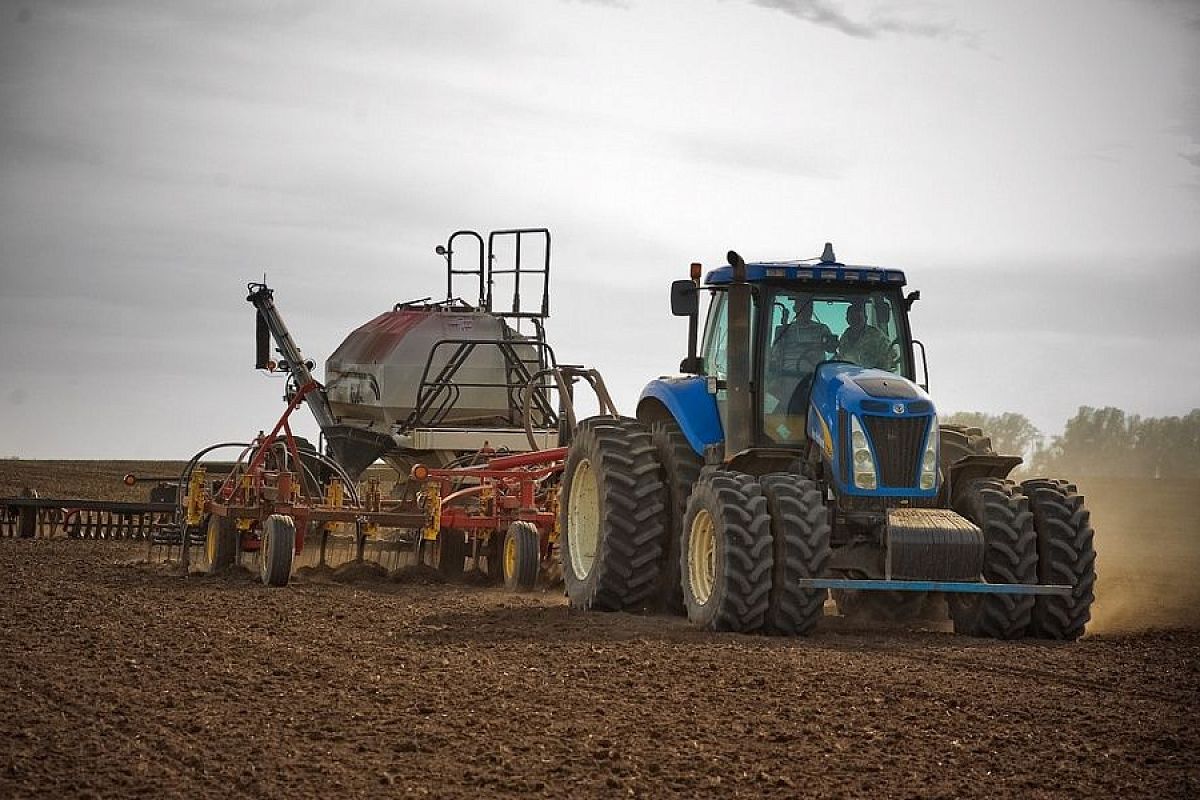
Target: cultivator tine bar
x=82 y=519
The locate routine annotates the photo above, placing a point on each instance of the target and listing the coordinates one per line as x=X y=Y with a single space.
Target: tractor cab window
x=715 y=349
x=797 y=341
x=716 y=338
x=866 y=328
x=808 y=326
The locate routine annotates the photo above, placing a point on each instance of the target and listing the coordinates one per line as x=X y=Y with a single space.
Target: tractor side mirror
x=685 y=298
x=911 y=298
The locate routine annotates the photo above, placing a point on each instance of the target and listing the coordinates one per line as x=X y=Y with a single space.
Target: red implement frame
x=504 y=490
x=256 y=492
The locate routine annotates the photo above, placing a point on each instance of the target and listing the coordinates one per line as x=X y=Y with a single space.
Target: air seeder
x=472 y=414
x=779 y=467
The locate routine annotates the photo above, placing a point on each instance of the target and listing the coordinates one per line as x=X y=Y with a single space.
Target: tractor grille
x=898 y=442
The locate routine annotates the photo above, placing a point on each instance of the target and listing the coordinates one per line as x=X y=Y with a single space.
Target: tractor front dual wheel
x=1002 y=512
x=679 y=467
x=611 y=517
x=726 y=553
x=277 y=550
x=800 y=534
x=1066 y=556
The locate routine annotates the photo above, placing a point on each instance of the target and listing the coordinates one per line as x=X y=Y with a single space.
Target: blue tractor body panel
x=692 y=406
x=886 y=405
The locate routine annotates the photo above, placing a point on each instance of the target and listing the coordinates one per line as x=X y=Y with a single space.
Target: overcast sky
x=1033 y=166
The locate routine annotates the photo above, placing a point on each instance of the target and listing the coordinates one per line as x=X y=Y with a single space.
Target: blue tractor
x=797 y=455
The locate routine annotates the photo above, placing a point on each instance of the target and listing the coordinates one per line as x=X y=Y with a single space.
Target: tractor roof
x=823 y=272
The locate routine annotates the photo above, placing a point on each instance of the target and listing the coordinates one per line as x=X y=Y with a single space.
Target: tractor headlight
x=929 y=460
x=864 y=462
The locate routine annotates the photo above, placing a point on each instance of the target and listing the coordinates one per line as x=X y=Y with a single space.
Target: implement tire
x=800 y=545
x=1066 y=555
x=611 y=513
x=726 y=554
x=451 y=553
x=679 y=469
x=522 y=556
x=277 y=550
x=1002 y=512
x=220 y=544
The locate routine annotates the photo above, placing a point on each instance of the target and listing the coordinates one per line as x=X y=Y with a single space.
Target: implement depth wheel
x=726 y=554
x=220 y=544
x=1002 y=512
x=1066 y=555
x=611 y=522
x=522 y=555
x=277 y=550
x=451 y=555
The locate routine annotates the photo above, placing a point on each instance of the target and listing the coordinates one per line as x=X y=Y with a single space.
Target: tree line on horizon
x=1096 y=442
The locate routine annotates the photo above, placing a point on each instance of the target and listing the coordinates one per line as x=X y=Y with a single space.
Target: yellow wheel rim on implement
x=510 y=555
x=583 y=520
x=702 y=556
x=210 y=541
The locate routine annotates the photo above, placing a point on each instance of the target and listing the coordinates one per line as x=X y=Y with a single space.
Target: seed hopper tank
x=431 y=381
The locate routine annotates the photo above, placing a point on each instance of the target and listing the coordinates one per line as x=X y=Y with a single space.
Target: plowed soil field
x=123 y=678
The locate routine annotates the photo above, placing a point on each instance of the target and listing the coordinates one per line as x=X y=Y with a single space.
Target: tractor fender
x=688 y=402
x=971 y=467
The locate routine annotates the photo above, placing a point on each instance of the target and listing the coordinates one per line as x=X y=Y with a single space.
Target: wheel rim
x=265 y=553
x=510 y=555
x=702 y=556
x=210 y=543
x=583 y=520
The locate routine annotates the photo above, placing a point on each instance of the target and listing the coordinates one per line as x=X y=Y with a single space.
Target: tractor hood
x=895 y=414
x=873 y=391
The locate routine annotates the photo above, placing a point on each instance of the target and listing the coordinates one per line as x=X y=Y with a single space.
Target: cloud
x=739 y=153
x=829 y=14
x=621 y=4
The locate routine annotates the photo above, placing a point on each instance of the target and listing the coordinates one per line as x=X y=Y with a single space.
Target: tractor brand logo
x=898 y=408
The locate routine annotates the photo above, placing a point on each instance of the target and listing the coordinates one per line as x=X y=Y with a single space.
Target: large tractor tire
x=611 y=516
x=958 y=441
x=220 y=544
x=1066 y=555
x=800 y=549
x=277 y=550
x=1002 y=512
x=522 y=556
x=726 y=554
x=680 y=468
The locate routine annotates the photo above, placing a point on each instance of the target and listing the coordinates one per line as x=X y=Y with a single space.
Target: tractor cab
x=789 y=353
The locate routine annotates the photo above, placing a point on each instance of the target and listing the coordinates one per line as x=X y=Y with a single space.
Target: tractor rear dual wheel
x=611 y=520
x=1066 y=556
x=1002 y=512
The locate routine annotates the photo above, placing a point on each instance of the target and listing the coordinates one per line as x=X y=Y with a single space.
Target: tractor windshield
x=810 y=325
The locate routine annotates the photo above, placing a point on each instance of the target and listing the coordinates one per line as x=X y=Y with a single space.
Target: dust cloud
x=1147 y=553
